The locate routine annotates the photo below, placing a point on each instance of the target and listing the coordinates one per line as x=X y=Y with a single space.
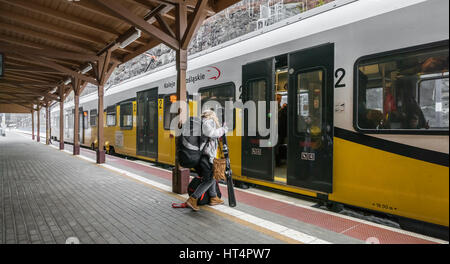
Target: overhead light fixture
x=86 y=69
x=130 y=39
x=54 y=89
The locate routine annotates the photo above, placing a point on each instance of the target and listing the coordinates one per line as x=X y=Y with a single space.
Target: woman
x=213 y=131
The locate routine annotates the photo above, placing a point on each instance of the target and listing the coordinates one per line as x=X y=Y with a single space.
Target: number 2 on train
x=336 y=74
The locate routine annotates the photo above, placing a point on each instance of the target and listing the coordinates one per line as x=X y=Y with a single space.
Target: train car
x=363 y=87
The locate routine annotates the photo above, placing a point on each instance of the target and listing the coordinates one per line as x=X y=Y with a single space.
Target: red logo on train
x=215 y=71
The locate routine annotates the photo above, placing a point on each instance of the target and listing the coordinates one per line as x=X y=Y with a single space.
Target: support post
x=76 y=118
x=32 y=124
x=38 y=132
x=100 y=139
x=61 y=118
x=180 y=176
x=47 y=129
x=102 y=72
x=49 y=125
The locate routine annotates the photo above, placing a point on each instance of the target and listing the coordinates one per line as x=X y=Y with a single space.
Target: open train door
x=257 y=86
x=310 y=132
x=147 y=123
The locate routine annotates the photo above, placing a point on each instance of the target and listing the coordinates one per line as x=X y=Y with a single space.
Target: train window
x=219 y=94
x=111 y=116
x=403 y=92
x=256 y=93
x=433 y=96
x=168 y=116
x=309 y=101
x=93 y=117
x=126 y=116
x=153 y=114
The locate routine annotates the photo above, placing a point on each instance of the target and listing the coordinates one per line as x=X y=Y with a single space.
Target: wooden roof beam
x=140 y=23
x=18 y=83
x=36 y=8
x=195 y=23
x=31 y=69
x=164 y=25
x=23 y=76
x=218 y=6
x=45 y=37
x=30 y=76
x=50 y=27
x=95 y=9
x=16 y=58
x=23 y=43
x=150 y=18
x=23 y=90
x=5 y=83
x=191 y=5
x=50 y=64
x=49 y=53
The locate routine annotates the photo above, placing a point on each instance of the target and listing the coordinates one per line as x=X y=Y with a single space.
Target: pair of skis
x=228 y=173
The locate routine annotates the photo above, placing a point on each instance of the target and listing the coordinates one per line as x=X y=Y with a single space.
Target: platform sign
x=1 y=64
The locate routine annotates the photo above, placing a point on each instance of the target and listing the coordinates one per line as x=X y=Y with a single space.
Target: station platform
x=51 y=196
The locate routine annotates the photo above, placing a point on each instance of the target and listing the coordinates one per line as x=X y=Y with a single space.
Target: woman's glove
x=225 y=128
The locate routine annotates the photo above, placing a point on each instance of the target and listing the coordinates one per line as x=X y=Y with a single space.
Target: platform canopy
x=49 y=45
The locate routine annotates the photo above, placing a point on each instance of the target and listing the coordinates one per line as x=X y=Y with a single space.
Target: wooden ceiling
x=45 y=42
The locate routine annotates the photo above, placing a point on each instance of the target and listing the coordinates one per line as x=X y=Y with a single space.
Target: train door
x=147 y=125
x=310 y=133
x=257 y=81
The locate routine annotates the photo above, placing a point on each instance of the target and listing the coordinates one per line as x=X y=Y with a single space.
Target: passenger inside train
x=408 y=92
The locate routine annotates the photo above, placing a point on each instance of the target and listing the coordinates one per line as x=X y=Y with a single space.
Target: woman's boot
x=192 y=203
x=215 y=201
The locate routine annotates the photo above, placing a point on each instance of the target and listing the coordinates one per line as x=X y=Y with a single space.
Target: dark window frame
x=323 y=118
x=380 y=55
x=122 y=127
x=110 y=110
x=166 y=98
x=93 y=116
x=212 y=87
x=245 y=98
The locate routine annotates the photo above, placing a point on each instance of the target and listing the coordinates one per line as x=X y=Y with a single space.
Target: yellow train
x=367 y=98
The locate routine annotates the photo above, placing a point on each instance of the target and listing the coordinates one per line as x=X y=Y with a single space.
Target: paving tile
x=49 y=196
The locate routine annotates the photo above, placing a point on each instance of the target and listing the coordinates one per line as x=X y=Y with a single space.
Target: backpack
x=204 y=199
x=188 y=148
